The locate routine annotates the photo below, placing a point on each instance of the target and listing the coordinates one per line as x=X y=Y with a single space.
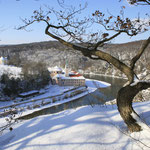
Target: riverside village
x=65 y=85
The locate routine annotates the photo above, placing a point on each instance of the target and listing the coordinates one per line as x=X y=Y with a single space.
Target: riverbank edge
x=114 y=102
x=112 y=76
x=65 y=101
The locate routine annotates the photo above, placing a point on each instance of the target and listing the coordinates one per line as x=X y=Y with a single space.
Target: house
x=74 y=74
x=3 y=60
x=66 y=78
x=54 y=71
x=27 y=94
x=62 y=80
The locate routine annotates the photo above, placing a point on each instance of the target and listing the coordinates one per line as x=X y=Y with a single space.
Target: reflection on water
x=98 y=97
x=110 y=92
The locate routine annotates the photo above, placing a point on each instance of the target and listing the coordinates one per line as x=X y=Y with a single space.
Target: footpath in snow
x=84 y=128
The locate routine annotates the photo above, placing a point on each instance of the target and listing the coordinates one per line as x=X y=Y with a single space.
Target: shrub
x=11 y=85
x=54 y=100
x=36 y=74
x=15 y=60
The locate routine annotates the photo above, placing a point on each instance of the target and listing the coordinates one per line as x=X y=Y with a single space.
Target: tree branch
x=106 y=39
x=99 y=54
x=141 y=51
x=71 y=45
x=117 y=63
x=138 y=2
x=74 y=29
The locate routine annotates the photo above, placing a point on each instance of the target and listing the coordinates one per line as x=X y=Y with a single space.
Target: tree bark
x=124 y=103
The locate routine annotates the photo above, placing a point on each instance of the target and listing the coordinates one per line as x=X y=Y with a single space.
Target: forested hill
x=53 y=53
x=30 y=46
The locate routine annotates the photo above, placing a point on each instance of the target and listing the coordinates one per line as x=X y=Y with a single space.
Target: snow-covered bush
x=13 y=80
x=11 y=71
x=9 y=76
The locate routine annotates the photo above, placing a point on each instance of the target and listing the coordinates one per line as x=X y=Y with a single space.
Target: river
x=101 y=95
x=109 y=93
x=98 y=97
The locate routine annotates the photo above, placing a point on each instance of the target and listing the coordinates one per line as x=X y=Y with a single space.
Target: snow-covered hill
x=54 y=53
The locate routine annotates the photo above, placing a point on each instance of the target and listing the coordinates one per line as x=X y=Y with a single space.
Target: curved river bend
x=98 y=97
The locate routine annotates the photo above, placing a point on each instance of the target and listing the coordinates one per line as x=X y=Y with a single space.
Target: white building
x=66 y=79
x=54 y=71
x=3 y=60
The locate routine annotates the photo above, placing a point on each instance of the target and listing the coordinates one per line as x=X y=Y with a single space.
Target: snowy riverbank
x=55 y=90
x=105 y=75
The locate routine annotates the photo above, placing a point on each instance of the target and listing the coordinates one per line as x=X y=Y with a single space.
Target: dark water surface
x=98 y=97
x=110 y=93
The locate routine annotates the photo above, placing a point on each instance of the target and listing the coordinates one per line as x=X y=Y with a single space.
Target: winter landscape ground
x=97 y=127
x=84 y=128
x=90 y=127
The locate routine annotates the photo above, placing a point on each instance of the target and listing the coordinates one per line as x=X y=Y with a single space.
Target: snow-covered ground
x=99 y=127
x=84 y=128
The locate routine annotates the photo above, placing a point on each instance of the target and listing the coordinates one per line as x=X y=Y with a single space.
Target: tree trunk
x=124 y=103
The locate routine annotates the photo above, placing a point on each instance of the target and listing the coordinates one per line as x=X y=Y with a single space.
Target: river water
x=101 y=95
x=98 y=97
x=109 y=93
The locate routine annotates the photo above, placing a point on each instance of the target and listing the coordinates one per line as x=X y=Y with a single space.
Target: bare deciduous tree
x=75 y=33
x=139 y=2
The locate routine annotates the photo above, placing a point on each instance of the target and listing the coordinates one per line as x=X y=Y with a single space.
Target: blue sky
x=12 y=10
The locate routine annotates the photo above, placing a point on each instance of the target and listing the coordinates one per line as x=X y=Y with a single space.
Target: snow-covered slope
x=10 y=70
x=84 y=128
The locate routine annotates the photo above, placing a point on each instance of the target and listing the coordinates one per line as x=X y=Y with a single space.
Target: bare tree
x=80 y=38
x=139 y=2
